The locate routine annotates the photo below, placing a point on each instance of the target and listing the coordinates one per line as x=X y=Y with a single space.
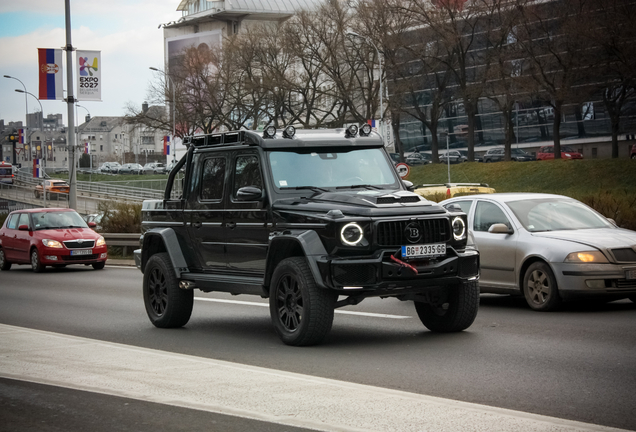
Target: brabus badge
x=412 y=232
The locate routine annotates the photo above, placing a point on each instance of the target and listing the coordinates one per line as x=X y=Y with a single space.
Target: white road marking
x=338 y=311
x=248 y=391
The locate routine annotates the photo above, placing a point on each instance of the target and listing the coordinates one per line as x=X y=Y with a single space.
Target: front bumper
x=54 y=256
x=381 y=274
x=576 y=280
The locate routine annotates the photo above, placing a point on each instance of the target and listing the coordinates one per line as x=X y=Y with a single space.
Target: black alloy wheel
x=302 y=313
x=167 y=305
x=456 y=313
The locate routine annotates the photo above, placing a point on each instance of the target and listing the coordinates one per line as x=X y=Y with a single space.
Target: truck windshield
x=333 y=168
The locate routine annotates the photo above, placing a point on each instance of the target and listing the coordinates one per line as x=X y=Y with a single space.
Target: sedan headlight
x=100 y=241
x=52 y=243
x=352 y=234
x=586 y=257
x=459 y=228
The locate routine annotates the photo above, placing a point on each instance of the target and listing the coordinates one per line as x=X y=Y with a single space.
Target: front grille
x=79 y=257
x=624 y=255
x=75 y=244
x=626 y=283
x=354 y=274
x=391 y=234
x=394 y=200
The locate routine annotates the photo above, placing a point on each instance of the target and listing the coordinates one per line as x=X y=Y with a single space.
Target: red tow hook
x=403 y=264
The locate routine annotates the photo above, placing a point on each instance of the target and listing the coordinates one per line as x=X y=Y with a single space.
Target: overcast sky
x=125 y=31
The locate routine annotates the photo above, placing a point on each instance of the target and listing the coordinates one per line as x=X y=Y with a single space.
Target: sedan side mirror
x=23 y=228
x=92 y=224
x=249 y=193
x=500 y=228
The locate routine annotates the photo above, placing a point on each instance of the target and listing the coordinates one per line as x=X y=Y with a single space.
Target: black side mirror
x=249 y=193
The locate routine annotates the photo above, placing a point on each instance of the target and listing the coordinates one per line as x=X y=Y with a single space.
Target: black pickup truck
x=311 y=219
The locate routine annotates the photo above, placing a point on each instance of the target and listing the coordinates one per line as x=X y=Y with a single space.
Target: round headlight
x=289 y=132
x=270 y=131
x=351 y=234
x=459 y=228
x=365 y=129
x=352 y=130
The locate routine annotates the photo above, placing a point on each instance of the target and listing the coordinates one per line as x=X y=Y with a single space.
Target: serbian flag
x=50 y=73
x=371 y=122
x=21 y=136
x=166 y=145
x=86 y=148
x=36 y=168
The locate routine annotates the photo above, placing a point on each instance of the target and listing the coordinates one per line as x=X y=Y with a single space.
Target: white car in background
x=548 y=248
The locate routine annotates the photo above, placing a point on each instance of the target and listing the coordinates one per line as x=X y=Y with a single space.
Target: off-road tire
x=99 y=265
x=301 y=312
x=167 y=305
x=540 y=288
x=456 y=314
x=4 y=264
x=36 y=264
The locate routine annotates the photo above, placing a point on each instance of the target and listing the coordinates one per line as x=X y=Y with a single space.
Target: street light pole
x=43 y=162
x=26 y=103
x=354 y=34
x=174 y=109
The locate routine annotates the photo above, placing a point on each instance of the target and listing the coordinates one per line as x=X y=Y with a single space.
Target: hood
x=600 y=238
x=361 y=202
x=64 y=234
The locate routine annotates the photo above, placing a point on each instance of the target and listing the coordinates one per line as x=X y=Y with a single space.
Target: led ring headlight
x=459 y=228
x=351 y=234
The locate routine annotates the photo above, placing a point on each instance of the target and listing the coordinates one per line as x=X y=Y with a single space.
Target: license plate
x=630 y=274
x=82 y=252
x=426 y=250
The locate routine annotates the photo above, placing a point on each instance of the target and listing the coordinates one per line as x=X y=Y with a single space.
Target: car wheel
x=540 y=288
x=487 y=160
x=36 y=264
x=99 y=265
x=454 y=313
x=301 y=312
x=167 y=305
x=4 y=264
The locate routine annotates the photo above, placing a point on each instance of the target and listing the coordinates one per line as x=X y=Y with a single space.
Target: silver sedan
x=549 y=248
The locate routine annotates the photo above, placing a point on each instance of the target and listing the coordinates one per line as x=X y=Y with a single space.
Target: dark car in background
x=418 y=159
x=110 y=167
x=452 y=156
x=497 y=154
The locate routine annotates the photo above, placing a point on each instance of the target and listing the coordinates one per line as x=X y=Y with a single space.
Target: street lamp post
x=174 y=108
x=44 y=158
x=26 y=103
x=354 y=34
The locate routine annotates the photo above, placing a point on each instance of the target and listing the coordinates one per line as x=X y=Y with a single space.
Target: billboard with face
x=177 y=46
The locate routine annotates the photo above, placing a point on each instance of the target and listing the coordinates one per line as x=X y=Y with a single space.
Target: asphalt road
x=576 y=364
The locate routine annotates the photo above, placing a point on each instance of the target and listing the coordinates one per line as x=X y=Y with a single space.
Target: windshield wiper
x=313 y=188
x=367 y=186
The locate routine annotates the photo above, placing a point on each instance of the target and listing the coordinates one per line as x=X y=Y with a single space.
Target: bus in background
x=6 y=173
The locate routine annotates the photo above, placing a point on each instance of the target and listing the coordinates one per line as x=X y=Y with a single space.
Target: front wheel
x=4 y=264
x=167 y=305
x=540 y=288
x=455 y=312
x=36 y=265
x=99 y=265
x=302 y=313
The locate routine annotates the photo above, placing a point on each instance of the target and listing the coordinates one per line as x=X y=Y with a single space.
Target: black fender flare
x=289 y=243
x=158 y=240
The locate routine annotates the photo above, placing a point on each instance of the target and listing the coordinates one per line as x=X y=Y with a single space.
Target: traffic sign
x=403 y=169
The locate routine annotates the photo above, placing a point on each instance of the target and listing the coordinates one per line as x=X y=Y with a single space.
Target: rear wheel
x=167 y=305
x=540 y=288
x=453 y=313
x=4 y=264
x=36 y=264
x=302 y=313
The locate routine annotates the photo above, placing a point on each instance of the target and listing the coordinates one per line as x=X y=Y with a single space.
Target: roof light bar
x=352 y=131
x=269 y=132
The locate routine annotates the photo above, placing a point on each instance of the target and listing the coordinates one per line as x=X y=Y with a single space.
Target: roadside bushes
x=120 y=217
x=618 y=205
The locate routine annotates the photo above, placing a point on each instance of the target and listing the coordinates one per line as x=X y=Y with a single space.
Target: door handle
x=231 y=225
x=196 y=224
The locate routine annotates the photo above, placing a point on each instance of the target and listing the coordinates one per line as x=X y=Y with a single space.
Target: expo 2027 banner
x=89 y=75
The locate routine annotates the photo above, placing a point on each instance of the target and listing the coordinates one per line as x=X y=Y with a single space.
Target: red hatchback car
x=547 y=152
x=50 y=237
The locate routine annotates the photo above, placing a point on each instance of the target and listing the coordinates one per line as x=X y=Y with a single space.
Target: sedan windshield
x=331 y=169
x=556 y=214
x=57 y=220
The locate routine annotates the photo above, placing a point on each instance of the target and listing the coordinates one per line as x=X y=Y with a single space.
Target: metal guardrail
x=124 y=240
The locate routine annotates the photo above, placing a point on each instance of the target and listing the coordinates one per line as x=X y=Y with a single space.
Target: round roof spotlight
x=352 y=131
x=365 y=129
x=269 y=132
x=289 y=132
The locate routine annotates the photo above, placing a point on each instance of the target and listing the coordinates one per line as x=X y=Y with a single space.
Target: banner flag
x=36 y=168
x=49 y=152
x=86 y=148
x=37 y=146
x=166 y=145
x=21 y=136
x=50 y=73
x=89 y=75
